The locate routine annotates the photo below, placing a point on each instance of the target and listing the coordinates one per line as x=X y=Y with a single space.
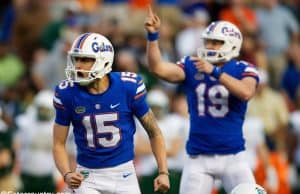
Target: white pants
x=120 y=179
x=200 y=172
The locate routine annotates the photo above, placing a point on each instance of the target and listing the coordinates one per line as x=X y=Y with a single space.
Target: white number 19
x=217 y=95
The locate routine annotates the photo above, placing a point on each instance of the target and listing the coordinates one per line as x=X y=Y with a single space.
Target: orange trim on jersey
x=181 y=65
x=139 y=95
x=249 y=74
x=58 y=105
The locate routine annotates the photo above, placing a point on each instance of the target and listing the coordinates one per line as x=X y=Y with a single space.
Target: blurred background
x=35 y=36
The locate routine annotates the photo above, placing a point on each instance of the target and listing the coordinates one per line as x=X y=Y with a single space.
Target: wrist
x=216 y=72
x=65 y=175
x=152 y=36
x=163 y=173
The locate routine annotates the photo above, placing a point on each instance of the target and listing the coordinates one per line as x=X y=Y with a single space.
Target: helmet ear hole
x=94 y=74
x=106 y=64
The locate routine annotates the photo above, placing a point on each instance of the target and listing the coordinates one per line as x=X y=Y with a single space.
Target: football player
x=34 y=139
x=101 y=106
x=217 y=88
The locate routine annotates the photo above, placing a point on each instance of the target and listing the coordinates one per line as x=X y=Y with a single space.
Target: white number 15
x=103 y=125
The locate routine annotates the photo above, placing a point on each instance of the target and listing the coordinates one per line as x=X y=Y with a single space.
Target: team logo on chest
x=199 y=76
x=80 y=109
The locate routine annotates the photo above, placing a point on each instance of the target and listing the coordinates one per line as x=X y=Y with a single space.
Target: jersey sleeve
x=60 y=102
x=181 y=62
x=137 y=93
x=249 y=70
x=185 y=64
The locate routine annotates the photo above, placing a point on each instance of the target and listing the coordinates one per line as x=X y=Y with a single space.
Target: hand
x=161 y=183
x=152 y=21
x=202 y=65
x=74 y=180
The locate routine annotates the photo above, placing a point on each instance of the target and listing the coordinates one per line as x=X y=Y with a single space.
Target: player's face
x=213 y=44
x=83 y=64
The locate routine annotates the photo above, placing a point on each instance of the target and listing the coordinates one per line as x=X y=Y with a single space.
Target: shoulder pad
x=129 y=77
x=63 y=93
x=134 y=83
x=65 y=85
x=182 y=61
x=245 y=63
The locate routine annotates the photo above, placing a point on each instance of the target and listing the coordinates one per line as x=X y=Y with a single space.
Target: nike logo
x=127 y=175
x=114 y=105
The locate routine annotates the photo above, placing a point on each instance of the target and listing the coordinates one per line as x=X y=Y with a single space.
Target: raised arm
x=164 y=70
x=161 y=183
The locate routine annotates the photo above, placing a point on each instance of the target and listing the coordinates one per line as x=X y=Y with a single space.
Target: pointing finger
x=194 y=59
x=150 y=12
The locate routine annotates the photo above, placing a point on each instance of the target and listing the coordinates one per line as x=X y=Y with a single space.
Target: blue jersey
x=216 y=116
x=103 y=124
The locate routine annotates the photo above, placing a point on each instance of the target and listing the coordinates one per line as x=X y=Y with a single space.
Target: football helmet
x=248 y=188
x=44 y=99
x=158 y=101
x=226 y=32
x=43 y=105
x=157 y=97
x=90 y=45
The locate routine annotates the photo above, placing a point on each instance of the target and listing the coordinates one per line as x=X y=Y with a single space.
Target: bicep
x=251 y=84
x=170 y=72
x=60 y=133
